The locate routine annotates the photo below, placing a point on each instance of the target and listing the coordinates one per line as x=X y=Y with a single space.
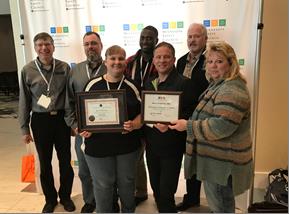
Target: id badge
x=44 y=101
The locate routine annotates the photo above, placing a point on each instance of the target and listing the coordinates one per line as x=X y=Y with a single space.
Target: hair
x=113 y=50
x=168 y=45
x=204 y=29
x=153 y=29
x=228 y=52
x=91 y=33
x=44 y=36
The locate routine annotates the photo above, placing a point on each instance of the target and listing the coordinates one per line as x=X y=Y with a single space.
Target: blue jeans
x=83 y=173
x=105 y=173
x=220 y=198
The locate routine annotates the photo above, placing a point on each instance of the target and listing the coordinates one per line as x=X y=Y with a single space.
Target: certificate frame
x=101 y=110
x=160 y=106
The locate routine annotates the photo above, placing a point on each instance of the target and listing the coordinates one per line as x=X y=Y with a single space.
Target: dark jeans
x=84 y=173
x=108 y=171
x=220 y=198
x=48 y=131
x=164 y=177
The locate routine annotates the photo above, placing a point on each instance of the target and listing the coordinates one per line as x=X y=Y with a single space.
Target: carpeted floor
x=8 y=106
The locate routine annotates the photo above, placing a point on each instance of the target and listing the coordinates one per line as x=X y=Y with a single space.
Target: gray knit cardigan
x=218 y=136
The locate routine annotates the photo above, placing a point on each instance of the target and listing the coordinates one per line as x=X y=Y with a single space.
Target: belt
x=53 y=112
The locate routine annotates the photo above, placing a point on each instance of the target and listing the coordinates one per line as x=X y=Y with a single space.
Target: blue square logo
x=165 y=25
x=126 y=27
x=207 y=23
x=53 y=30
x=88 y=28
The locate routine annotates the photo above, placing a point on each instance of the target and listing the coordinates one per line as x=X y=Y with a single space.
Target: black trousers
x=51 y=131
x=164 y=177
x=193 y=187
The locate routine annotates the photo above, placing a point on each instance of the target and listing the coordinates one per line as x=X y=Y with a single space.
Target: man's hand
x=27 y=138
x=85 y=134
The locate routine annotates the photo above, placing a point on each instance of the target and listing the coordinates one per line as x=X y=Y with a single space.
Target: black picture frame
x=101 y=110
x=160 y=106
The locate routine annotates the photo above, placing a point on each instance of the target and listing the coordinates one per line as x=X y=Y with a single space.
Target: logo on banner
x=95 y=28
x=60 y=36
x=132 y=27
x=172 y=32
x=172 y=25
x=241 y=62
x=131 y=33
x=214 y=23
x=55 y=30
x=215 y=28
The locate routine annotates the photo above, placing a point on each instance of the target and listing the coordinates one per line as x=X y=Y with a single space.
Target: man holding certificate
x=112 y=156
x=165 y=147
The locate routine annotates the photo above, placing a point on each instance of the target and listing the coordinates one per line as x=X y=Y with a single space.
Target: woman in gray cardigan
x=219 y=145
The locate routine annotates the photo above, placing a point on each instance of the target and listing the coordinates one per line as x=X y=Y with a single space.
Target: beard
x=93 y=57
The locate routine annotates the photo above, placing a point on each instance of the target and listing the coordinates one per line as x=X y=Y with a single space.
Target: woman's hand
x=179 y=125
x=85 y=134
x=131 y=125
x=161 y=127
x=128 y=126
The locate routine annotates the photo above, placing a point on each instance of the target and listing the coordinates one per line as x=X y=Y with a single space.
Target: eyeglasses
x=92 y=43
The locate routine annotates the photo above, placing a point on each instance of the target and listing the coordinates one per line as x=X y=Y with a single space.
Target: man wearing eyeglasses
x=42 y=93
x=82 y=72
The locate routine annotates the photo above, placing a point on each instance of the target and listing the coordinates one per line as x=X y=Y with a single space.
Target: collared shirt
x=32 y=86
x=76 y=83
x=191 y=62
x=133 y=69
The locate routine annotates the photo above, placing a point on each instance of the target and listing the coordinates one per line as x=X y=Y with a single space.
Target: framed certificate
x=101 y=111
x=160 y=106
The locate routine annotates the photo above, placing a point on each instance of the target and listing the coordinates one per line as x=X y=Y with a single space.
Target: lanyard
x=47 y=83
x=108 y=88
x=87 y=72
x=143 y=74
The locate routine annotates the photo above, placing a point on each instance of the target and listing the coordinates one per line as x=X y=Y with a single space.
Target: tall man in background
x=140 y=68
x=42 y=92
x=82 y=72
x=192 y=65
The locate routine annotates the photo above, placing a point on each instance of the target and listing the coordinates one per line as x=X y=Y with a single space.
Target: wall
x=8 y=57
x=4 y=7
x=272 y=123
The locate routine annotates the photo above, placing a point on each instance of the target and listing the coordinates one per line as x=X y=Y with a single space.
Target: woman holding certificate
x=219 y=145
x=165 y=147
x=112 y=156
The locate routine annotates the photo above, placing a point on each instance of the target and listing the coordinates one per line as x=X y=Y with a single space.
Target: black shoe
x=68 y=205
x=138 y=200
x=87 y=208
x=49 y=207
x=186 y=205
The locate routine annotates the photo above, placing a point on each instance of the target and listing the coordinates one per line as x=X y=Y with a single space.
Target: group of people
x=213 y=129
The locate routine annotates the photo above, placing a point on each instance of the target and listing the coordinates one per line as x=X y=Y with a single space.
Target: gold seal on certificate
x=101 y=111
x=160 y=106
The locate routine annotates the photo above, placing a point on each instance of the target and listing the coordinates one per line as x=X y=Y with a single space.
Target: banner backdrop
x=121 y=21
